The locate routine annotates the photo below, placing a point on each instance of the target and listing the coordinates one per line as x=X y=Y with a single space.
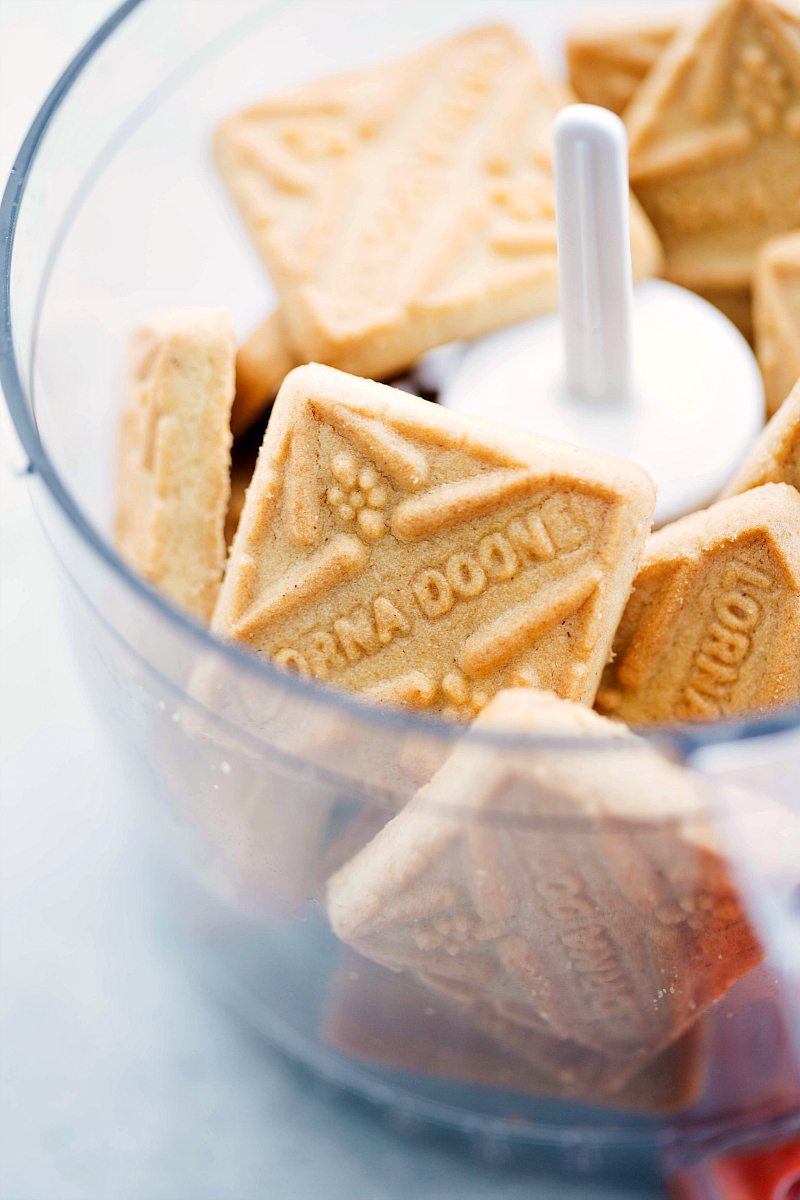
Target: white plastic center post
x=653 y=374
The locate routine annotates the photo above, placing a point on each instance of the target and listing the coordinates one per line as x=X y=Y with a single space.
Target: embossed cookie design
x=775 y=458
x=174 y=456
x=392 y=1020
x=560 y=895
x=393 y=548
x=400 y=207
x=715 y=141
x=776 y=315
x=608 y=56
x=712 y=628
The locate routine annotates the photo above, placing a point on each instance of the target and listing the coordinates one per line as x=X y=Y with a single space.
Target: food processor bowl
x=261 y=785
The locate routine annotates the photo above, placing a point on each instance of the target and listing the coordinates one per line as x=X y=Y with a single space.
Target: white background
x=119 y=1081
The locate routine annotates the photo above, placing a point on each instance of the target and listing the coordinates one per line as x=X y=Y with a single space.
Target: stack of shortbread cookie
x=576 y=907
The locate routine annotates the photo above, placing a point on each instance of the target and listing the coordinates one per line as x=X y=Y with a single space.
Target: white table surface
x=119 y=1078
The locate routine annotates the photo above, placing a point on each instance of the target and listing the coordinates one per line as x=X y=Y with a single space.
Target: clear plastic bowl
x=261 y=784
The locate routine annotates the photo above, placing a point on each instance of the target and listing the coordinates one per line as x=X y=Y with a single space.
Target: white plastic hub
x=696 y=405
x=654 y=374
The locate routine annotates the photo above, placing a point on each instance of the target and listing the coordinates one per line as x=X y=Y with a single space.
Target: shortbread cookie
x=608 y=56
x=775 y=458
x=712 y=628
x=174 y=461
x=776 y=312
x=403 y=206
x=425 y=559
x=715 y=141
x=574 y=893
x=393 y=1021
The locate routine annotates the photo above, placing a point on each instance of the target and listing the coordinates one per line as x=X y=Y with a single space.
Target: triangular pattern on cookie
x=712 y=628
x=574 y=893
x=409 y=204
x=715 y=140
x=610 y=55
x=394 y=548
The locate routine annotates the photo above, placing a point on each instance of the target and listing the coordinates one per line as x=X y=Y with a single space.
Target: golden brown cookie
x=391 y=1020
x=608 y=56
x=574 y=893
x=776 y=312
x=715 y=141
x=712 y=628
x=174 y=458
x=402 y=206
x=425 y=559
x=775 y=458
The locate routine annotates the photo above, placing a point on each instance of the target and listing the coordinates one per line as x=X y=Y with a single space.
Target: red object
x=772 y=1174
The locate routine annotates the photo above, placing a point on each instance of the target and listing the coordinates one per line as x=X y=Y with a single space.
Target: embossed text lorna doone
x=728 y=639
x=404 y=206
x=541 y=534
x=590 y=952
